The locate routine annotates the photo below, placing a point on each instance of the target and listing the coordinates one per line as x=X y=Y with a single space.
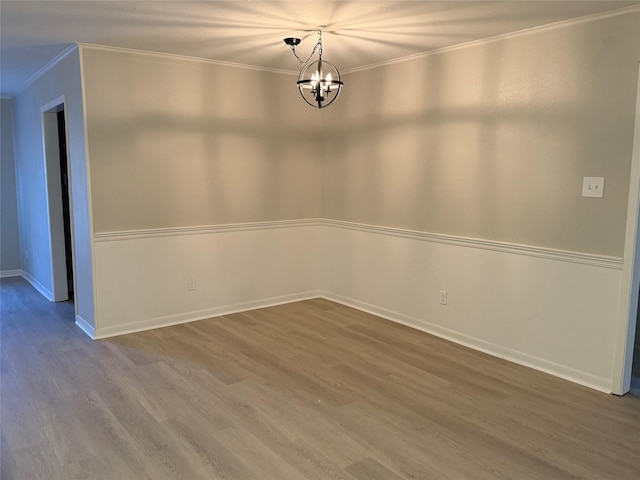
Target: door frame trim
x=630 y=282
x=53 y=187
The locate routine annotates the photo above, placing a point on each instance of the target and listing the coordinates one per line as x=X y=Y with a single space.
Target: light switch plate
x=593 y=187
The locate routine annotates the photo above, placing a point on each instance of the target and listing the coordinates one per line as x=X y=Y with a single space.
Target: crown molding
x=52 y=63
x=519 y=33
x=184 y=58
x=504 y=36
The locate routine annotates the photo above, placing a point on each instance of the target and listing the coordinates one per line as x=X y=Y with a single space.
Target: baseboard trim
x=46 y=293
x=86 y=327
x=106 y=332
x=11 y=273
x=520 y=358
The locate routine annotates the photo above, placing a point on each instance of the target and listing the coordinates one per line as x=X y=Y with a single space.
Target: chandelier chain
x=317 y=46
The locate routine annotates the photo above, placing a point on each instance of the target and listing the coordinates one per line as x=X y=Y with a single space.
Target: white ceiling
x=250 y=32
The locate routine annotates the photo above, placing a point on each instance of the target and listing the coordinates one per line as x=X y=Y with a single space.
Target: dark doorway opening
x=66 y=213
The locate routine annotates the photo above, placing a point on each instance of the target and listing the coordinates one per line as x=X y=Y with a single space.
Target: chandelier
x=319 y=82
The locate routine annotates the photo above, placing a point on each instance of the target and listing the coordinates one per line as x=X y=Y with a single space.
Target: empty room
x=320 y=239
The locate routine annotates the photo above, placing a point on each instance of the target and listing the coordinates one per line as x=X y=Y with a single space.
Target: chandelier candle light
x=319 y=82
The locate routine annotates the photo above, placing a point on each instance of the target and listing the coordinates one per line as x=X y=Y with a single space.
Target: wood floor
x=310 y=390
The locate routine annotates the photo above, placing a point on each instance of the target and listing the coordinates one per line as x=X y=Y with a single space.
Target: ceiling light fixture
x=319 y=82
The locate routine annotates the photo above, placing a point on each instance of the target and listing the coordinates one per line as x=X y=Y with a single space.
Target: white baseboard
x=86 y=327
x=11 y=273
x=48 y=294
x=186 y=317
x=561 y=371
x=520 y=358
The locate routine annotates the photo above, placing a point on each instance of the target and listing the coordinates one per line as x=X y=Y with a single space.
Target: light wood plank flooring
x=310 y=390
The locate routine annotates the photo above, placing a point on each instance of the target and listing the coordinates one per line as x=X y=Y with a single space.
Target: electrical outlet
x=443 y=297
x=191 y=284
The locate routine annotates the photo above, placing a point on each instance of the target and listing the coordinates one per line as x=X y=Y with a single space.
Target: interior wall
x=483 y=149
x=199 y=171
x=10 y=260
x=62 y=79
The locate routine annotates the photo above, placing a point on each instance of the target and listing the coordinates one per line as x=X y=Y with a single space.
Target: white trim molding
x=48 y=294
x=520 y=33
x=86 y=327
x=84 y=290
x=628 y=313
x=203 y=229
x=505 y=247
x=11 y=273
x=184 y=58
x=54 y=61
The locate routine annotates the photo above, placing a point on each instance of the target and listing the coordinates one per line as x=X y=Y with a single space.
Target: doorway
x=66 y=211
x=59 y=200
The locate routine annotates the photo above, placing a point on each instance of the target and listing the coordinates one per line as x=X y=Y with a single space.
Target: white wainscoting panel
x=141 y=278
x=550 y=310
x=557 y=315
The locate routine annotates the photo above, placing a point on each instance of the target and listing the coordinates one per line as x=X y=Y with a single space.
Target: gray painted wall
x=492 y=141
x=9 y=233
x=177 y=142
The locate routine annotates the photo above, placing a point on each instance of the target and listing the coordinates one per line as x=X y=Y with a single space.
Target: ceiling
x=250 y=32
